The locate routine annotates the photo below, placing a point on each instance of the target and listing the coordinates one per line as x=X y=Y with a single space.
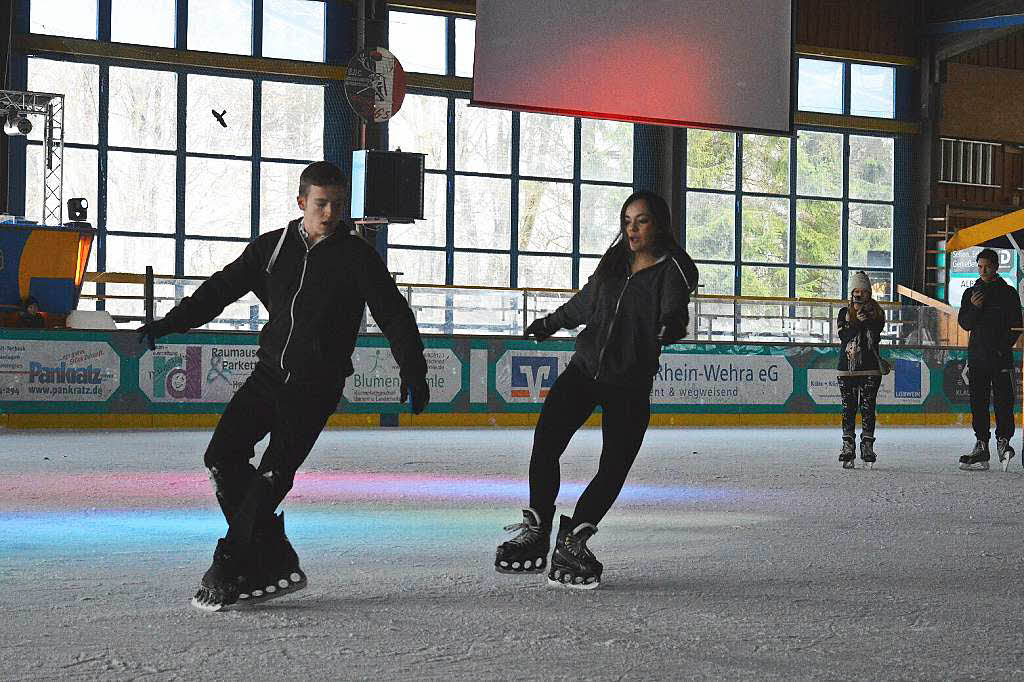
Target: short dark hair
x=989 y=255
x=321 y=174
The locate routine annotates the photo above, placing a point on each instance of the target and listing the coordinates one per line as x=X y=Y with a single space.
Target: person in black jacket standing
x=315 y=279
x=860 y=376
x=635 y=303
x=990 y=311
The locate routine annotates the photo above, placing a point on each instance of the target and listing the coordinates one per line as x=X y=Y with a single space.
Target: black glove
x=670 y=333
x=538 y=329
x=151 y=331
x=418 y=390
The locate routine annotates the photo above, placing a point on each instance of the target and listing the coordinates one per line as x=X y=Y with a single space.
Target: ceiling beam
x=947 y=49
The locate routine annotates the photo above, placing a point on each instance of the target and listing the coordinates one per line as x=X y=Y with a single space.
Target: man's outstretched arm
x=208 y=301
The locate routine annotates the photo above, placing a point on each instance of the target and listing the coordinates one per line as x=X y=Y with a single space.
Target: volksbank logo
x=533 y=376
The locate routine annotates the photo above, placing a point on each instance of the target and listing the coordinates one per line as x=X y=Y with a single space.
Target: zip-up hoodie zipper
x=302 y=279
x=618 y=301
x=611 y=326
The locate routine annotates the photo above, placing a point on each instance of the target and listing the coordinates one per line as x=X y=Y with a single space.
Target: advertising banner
x=55 y=371
x=722 y=379
x=193 y=373
x=467 y=376
x=376 y=378
x=963 y=271
x=907 y=384
x=526 y=376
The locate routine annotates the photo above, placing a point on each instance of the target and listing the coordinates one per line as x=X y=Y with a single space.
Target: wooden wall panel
x=1006 y=53
x=879 y=26
x=976 y=104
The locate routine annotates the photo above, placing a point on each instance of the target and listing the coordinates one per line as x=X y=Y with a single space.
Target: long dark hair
x=618 y=257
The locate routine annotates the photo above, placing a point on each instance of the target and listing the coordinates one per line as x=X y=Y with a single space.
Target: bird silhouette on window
x=219 y=117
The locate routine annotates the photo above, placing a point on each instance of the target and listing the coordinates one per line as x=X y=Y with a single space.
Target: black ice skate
x=978 y=459
x=1005 y=452
x=848 y=454
x=222 y=582
x=527 y=552
x=277 y=570
x=572 y=563
x=867 y=452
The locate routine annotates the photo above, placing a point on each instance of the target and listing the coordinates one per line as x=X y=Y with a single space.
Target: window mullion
x=577 y=193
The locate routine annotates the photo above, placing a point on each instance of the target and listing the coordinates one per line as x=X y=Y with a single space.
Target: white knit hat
x=859 y=280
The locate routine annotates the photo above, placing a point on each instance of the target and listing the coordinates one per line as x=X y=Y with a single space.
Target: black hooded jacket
x=625 y=315
x=315 y=298
x=990 y=324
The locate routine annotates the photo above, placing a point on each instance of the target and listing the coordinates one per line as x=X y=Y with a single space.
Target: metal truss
x=50 y=107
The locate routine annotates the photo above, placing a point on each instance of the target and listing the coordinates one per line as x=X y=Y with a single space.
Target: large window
x=513 y=206
x=779 y=216
x=835 y=87
x=168 y=184
x=760 y=226
x=512 y=199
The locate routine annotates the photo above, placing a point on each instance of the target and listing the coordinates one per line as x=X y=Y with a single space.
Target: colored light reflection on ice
x=160 y=489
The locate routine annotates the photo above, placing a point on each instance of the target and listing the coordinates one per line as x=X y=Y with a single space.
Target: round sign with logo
x=375 y=84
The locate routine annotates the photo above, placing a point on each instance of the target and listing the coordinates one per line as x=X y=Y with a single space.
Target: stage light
x=78 y=210
x=17 y=123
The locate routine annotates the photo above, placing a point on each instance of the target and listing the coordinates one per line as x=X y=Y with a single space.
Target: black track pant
x=859 y=394
x=572 y=399
x=293 y=415
x=995 y=385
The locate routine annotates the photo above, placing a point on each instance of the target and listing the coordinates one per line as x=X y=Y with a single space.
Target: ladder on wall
x=940 y=229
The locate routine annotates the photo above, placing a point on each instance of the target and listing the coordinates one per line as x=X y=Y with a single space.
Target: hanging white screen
x=713 y=63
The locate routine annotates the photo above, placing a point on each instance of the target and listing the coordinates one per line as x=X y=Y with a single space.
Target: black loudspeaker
x=387 y=185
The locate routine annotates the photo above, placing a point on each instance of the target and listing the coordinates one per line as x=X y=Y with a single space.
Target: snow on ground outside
x=739 y=554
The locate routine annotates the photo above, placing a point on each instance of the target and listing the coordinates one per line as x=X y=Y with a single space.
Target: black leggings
x=859 y=393
x=572 y=399
x=293 y=415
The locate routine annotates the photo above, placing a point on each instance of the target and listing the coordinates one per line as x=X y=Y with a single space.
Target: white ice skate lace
x=527 y=533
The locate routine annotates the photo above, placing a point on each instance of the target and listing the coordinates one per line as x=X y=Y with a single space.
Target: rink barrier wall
x=105 y=379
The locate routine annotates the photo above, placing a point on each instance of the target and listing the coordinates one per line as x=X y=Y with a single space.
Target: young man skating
x=315 y=279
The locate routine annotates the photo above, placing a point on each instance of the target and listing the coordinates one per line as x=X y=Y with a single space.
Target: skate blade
x=212 y=606
x=574 y=586
x=869 y=465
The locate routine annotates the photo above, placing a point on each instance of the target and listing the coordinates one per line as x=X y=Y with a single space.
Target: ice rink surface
x=731 y=554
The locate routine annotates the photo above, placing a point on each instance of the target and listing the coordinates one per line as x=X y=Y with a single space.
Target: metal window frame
x=19 y=74
x=738 y=262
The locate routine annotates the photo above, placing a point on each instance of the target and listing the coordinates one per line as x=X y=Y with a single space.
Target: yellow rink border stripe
x=526 y=419
x=705 y=419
